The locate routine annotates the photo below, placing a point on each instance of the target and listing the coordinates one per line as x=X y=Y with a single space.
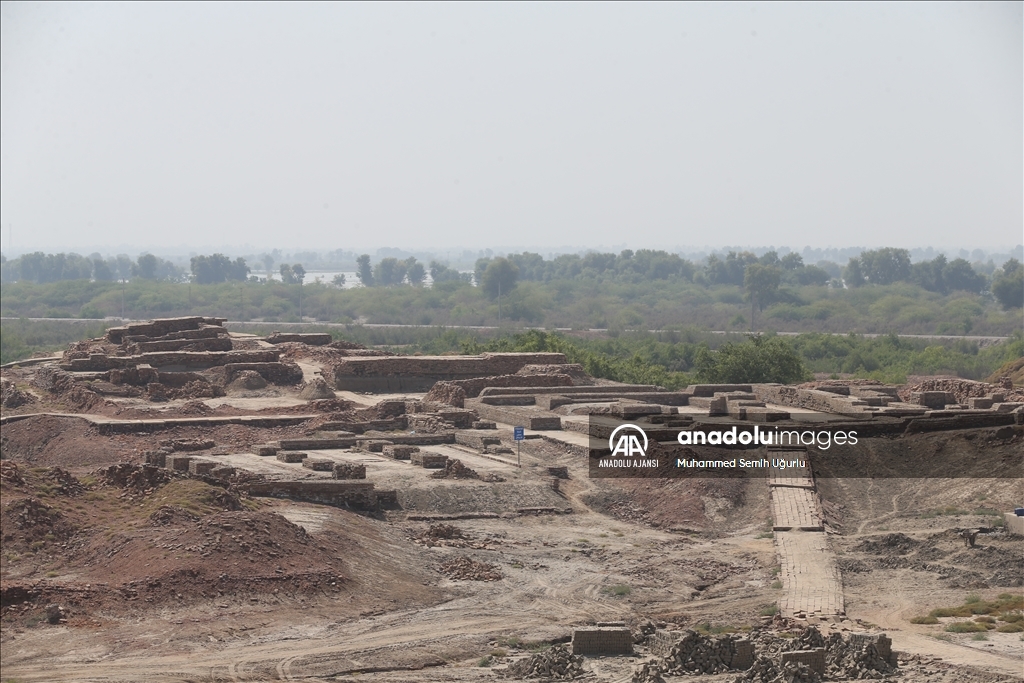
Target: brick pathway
x=809 y=572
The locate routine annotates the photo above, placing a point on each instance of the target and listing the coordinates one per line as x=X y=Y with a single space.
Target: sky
x=448 y=126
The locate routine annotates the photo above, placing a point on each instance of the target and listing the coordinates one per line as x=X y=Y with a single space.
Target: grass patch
x=765 y=534
x=776 y=585
x=1013 y=627
x=618 y=590
x=965 y=627
x=769 y=611
x=924 y=620
x=485 y=661
x=979 y=636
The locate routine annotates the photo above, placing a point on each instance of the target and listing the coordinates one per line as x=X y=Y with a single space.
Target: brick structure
x=291 y=456
x=311 y=338
x=265 y=449
x=390 y=450
x=318 y=465
x=429 y=460
x=602 y=641
x=201 y=467
x=347 y=470
x=419 y=373
x=346 y=494
x=815 y=659
x=881 y=641
x=315 y=444
x=178 y=463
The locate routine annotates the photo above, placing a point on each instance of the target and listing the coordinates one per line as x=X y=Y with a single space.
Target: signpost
x=519 y=433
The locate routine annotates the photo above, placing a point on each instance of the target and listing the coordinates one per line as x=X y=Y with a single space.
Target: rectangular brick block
x=602 y=641
x=318 y=465
x=347 y=470
x=978 y=403
x=429 y=460
x=394 y=451
x=265 y=450
x=179 y=463
x=201 y=467
x=291 y=456
x=377 y=446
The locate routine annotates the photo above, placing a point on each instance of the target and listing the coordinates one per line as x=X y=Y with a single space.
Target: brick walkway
x=809 y=572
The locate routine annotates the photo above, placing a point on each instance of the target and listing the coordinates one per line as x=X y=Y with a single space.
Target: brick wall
x=602 y=641
x=350 y=494
x=815 y=658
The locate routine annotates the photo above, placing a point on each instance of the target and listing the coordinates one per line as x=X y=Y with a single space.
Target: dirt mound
x=28 y=524
x=465 y=569
x=446 y=392
x=962 y=389
x=1009 y=374
x=195 y=389
x=183 y=557
x=13 y=397
x=195 y=408
x=67 y=441
x=247 y=380
x=188 y=444
x=316 y=388
x=899 y=544
x=556 y=664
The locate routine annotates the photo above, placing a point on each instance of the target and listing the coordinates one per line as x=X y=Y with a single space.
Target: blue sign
x=518 y=433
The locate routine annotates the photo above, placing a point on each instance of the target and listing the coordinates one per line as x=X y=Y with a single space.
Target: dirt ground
x=162 y=577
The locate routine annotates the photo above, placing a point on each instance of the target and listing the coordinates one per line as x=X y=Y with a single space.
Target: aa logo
x=628 y=443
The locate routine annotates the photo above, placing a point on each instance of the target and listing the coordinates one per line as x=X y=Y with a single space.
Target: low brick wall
x=531 y=419
x=173 y=360
x=429 y=460
x=393 y=451
x=315 y=444
x=346 y=494
x=265 y=449
x=318 y=465
x=291 y=456
x=311 y=338
x=161 y=326
x=179 y=463
x=419 y=373
x=602 y=641
x=201 y=467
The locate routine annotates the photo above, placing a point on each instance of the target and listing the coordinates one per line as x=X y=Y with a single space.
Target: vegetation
x=1004 y=614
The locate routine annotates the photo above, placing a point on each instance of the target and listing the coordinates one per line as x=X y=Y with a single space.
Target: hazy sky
x=460 y=125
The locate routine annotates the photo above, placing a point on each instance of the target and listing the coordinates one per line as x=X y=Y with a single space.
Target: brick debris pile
x=465 y=569
x=556 y=664
x=778 y=659
x=692 y=653
x=13 y=397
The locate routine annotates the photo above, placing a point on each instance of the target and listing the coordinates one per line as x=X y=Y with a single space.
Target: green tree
x=414 y=271
x=885 y=266
x=1008 y=286
x=499 y=277
x=762 y=285
x=364 y=270
x=759 y=360
x=853 y=276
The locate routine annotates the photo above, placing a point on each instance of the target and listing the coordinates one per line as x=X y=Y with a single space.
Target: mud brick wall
x=179 y=379
x=178 y=463
x=140 y=375
x=419 y=373
x=315 y=444
x=815 y=658
x=273 y=372
x=347 y=494
x=161 y=326
x=712 y=389
x=311 y=338
x=812 y=399
x=265 y=449
x=531 y=419
x=567 y=391
x=201 y=467
x=318 y=465
x=413 y=439
x=476 y=440
x=176 y=360
x=661 y=641
x=602 y=641
x=429 y=460
x=211 y=344
x=473 y=387
x=291 y=456
x=347 y=470
x=201 y=333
